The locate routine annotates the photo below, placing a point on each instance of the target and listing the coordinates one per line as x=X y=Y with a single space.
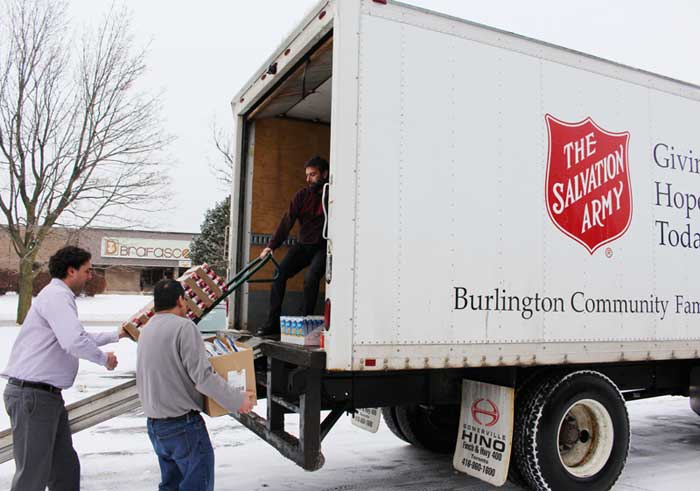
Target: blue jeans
x=185 y=454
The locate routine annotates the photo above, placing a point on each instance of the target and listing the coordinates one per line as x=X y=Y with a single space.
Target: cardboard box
x=237 y=369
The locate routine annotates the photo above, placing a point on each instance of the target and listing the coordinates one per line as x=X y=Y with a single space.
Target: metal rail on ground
x=88 y=412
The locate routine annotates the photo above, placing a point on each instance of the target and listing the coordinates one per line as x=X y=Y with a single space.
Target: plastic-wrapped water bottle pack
x=301 y=330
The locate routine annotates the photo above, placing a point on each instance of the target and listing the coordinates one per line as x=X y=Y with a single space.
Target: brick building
x=131 y=260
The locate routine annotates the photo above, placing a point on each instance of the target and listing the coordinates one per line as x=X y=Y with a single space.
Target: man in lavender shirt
x=43 y=361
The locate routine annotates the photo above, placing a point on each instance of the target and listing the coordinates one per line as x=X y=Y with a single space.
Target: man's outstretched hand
x=111 y=361
x=247 y=404
x=123 y=333
x=265 y=252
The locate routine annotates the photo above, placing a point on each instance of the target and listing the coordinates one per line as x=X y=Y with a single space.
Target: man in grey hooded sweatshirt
x=172 y=373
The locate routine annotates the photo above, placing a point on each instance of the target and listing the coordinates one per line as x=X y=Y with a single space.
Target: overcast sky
x=201 y=54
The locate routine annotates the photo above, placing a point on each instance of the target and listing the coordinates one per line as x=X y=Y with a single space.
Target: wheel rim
x=585 y=438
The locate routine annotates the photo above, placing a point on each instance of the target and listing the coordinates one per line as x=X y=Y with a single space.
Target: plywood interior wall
x=281 y=148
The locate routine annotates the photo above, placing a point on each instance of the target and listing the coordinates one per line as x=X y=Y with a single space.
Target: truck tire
x=433 y=428
x=523 y=393
x=572 y=432
x=389 y=416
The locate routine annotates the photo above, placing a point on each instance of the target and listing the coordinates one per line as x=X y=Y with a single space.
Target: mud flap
x=485 y=430
x=367 y=419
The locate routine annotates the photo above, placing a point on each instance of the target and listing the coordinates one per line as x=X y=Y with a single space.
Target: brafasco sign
x=134 y=248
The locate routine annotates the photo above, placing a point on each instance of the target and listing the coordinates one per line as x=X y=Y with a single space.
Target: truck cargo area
x=287 y=128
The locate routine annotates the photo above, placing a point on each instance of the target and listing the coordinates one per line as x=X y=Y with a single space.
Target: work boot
x=272 y=337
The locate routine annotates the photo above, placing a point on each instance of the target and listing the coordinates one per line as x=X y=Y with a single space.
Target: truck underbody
x=294 y=381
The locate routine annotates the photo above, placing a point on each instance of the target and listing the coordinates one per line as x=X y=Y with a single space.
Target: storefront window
x=151 y=276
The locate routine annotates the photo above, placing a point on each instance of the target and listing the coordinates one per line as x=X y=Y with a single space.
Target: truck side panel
x=451 y=184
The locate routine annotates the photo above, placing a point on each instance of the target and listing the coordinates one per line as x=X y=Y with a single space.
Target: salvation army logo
x=587 y=190
x=485 y=412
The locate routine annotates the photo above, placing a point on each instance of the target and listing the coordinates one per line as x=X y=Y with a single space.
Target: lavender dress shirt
x=52 y=339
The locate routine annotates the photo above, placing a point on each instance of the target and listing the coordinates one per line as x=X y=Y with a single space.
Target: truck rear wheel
x=524 y=393
x=433 y=428
x=389 y=416
x=572 y=432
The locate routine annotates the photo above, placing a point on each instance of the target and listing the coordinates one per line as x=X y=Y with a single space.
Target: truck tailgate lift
x=303 y=367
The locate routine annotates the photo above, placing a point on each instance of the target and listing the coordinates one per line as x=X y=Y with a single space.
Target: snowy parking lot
x=117 y=455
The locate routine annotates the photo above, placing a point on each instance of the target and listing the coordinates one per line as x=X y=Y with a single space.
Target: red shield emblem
x=588 y=186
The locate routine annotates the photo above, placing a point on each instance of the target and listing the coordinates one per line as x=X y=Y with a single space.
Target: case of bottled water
x=302 y=330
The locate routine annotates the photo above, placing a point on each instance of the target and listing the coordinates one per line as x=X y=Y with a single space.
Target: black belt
x=34 y=385
x=178 y=418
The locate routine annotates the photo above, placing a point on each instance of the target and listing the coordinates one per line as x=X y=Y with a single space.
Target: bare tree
x=223 y=169
x=78 y=141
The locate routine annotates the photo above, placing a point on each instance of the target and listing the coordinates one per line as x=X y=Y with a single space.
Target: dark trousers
x=185 y=454
x=41 y=441
x=298 y=257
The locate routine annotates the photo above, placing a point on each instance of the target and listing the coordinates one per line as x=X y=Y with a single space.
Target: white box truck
x=501 y=211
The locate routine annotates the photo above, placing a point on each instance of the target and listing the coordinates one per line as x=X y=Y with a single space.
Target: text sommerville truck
x=513 y=230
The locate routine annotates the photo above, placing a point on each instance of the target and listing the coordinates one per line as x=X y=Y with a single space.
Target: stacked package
x=202 y=288
x=305 y=330
x=220 y=346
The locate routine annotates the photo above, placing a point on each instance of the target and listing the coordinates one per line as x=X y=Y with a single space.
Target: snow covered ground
x=117 y=455
x=95 y=310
